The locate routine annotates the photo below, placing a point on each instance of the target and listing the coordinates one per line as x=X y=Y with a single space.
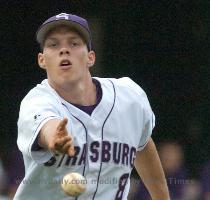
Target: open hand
x=61 y=141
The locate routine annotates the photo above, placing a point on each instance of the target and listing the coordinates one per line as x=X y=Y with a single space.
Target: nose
x=64 y=51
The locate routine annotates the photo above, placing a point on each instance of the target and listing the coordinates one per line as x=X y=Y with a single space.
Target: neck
x=83 y=93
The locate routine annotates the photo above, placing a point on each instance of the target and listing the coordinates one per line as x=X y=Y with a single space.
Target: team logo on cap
x=62 y=15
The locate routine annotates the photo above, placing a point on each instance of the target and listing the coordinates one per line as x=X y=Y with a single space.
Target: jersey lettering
x=74 y=158
x=83 y=157
x=132 y=156
x=118 y=153
x=106 y=146
x=51 y=162
x=125 y=154
x=94 y=149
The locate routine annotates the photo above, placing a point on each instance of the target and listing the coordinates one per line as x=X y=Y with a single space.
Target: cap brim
x=43 y=30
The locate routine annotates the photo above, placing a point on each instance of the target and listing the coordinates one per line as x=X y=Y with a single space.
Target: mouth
x=65 y=64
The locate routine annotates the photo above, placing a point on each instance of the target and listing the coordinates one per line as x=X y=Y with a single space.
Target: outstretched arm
x=149 y=168
x=54 y=136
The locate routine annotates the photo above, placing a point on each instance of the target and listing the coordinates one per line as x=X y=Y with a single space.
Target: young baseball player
x=72 y=122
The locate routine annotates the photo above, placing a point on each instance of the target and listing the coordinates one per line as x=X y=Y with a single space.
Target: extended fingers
x=60 y=142
x=64 y=145
x=62 y=124
x=68 y=148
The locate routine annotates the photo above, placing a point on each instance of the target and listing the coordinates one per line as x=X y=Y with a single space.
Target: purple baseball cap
x=73 y=21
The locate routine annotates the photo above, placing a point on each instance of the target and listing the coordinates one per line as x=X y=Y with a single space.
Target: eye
x=74 y=44
x=53 y=44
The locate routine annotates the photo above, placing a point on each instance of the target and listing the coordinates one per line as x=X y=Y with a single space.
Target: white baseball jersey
x=105 y=141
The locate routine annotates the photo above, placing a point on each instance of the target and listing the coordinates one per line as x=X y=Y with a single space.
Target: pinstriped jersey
x=105 y=142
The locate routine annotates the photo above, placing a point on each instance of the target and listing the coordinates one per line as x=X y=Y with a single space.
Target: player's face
x=66 y=58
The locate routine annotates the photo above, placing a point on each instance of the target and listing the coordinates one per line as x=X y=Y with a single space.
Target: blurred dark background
x=161 y=45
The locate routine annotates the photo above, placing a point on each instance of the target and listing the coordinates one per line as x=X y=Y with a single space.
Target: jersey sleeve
x=35 y=111
x=147 y=115
x=148 y=123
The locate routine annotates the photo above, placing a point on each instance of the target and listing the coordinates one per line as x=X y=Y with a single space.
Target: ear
x=41 y=60
x=91 y=58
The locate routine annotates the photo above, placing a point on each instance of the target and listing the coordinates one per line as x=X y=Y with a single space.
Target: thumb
x=62 y=125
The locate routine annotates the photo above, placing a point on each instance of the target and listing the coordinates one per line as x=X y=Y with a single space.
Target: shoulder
x=125 y=88
x=41 y=93
x=124 y=84
x=128 y=83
